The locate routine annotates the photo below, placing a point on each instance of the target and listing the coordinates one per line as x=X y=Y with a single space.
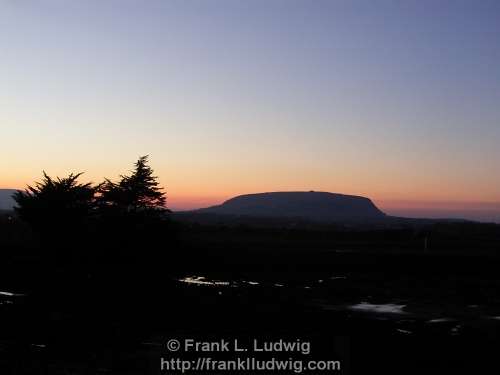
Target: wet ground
x=389 y=319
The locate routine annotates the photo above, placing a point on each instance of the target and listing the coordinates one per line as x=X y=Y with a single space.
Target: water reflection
x=204 y=281
x=404 y=331
x=441 y=320
x=200 y=280
x=388 y=308
x=252 y=282
x=10 y=294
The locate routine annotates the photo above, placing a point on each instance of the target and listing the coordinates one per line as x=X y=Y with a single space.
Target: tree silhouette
x=139 y=192
x=133 y=220
x=61 y=201
x=110 y=221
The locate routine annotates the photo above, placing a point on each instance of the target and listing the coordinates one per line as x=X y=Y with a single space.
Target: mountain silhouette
x=316 y=206
x=6 y=200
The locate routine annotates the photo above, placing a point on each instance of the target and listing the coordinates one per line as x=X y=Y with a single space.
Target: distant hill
x=6 y=201
x=314 y=206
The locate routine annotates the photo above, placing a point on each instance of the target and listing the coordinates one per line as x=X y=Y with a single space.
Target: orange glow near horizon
x=182 y=196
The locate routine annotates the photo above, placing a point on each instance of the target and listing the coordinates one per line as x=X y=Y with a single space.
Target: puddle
x=456 y=330
x=388 y=308
x=441 y=320
x=493 y=317
x=404 y=331
x=251 y=282
x=9 y=294
x=200 y=280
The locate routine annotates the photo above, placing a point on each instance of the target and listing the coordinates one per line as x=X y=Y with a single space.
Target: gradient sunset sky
x=395 y=100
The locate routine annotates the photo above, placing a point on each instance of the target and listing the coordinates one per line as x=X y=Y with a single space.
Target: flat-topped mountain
x=316 y=206
x=6 y=201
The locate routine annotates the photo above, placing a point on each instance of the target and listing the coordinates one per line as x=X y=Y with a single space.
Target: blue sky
x=396 y=100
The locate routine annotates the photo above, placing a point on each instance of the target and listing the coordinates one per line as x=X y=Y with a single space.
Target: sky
x=398 y=101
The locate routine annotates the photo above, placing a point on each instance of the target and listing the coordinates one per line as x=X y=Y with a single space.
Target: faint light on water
x=388 y=308
x=200 y=280
x=252 y=282
x=9 y=294
x=404 y=331
x=441 y=320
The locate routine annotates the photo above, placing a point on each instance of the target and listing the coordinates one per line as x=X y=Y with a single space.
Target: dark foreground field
x=377 y=303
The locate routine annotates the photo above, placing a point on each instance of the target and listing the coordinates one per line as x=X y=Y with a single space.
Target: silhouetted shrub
x=134 y=219
x=113 y=221
x=139 y=192
x=56 y=204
